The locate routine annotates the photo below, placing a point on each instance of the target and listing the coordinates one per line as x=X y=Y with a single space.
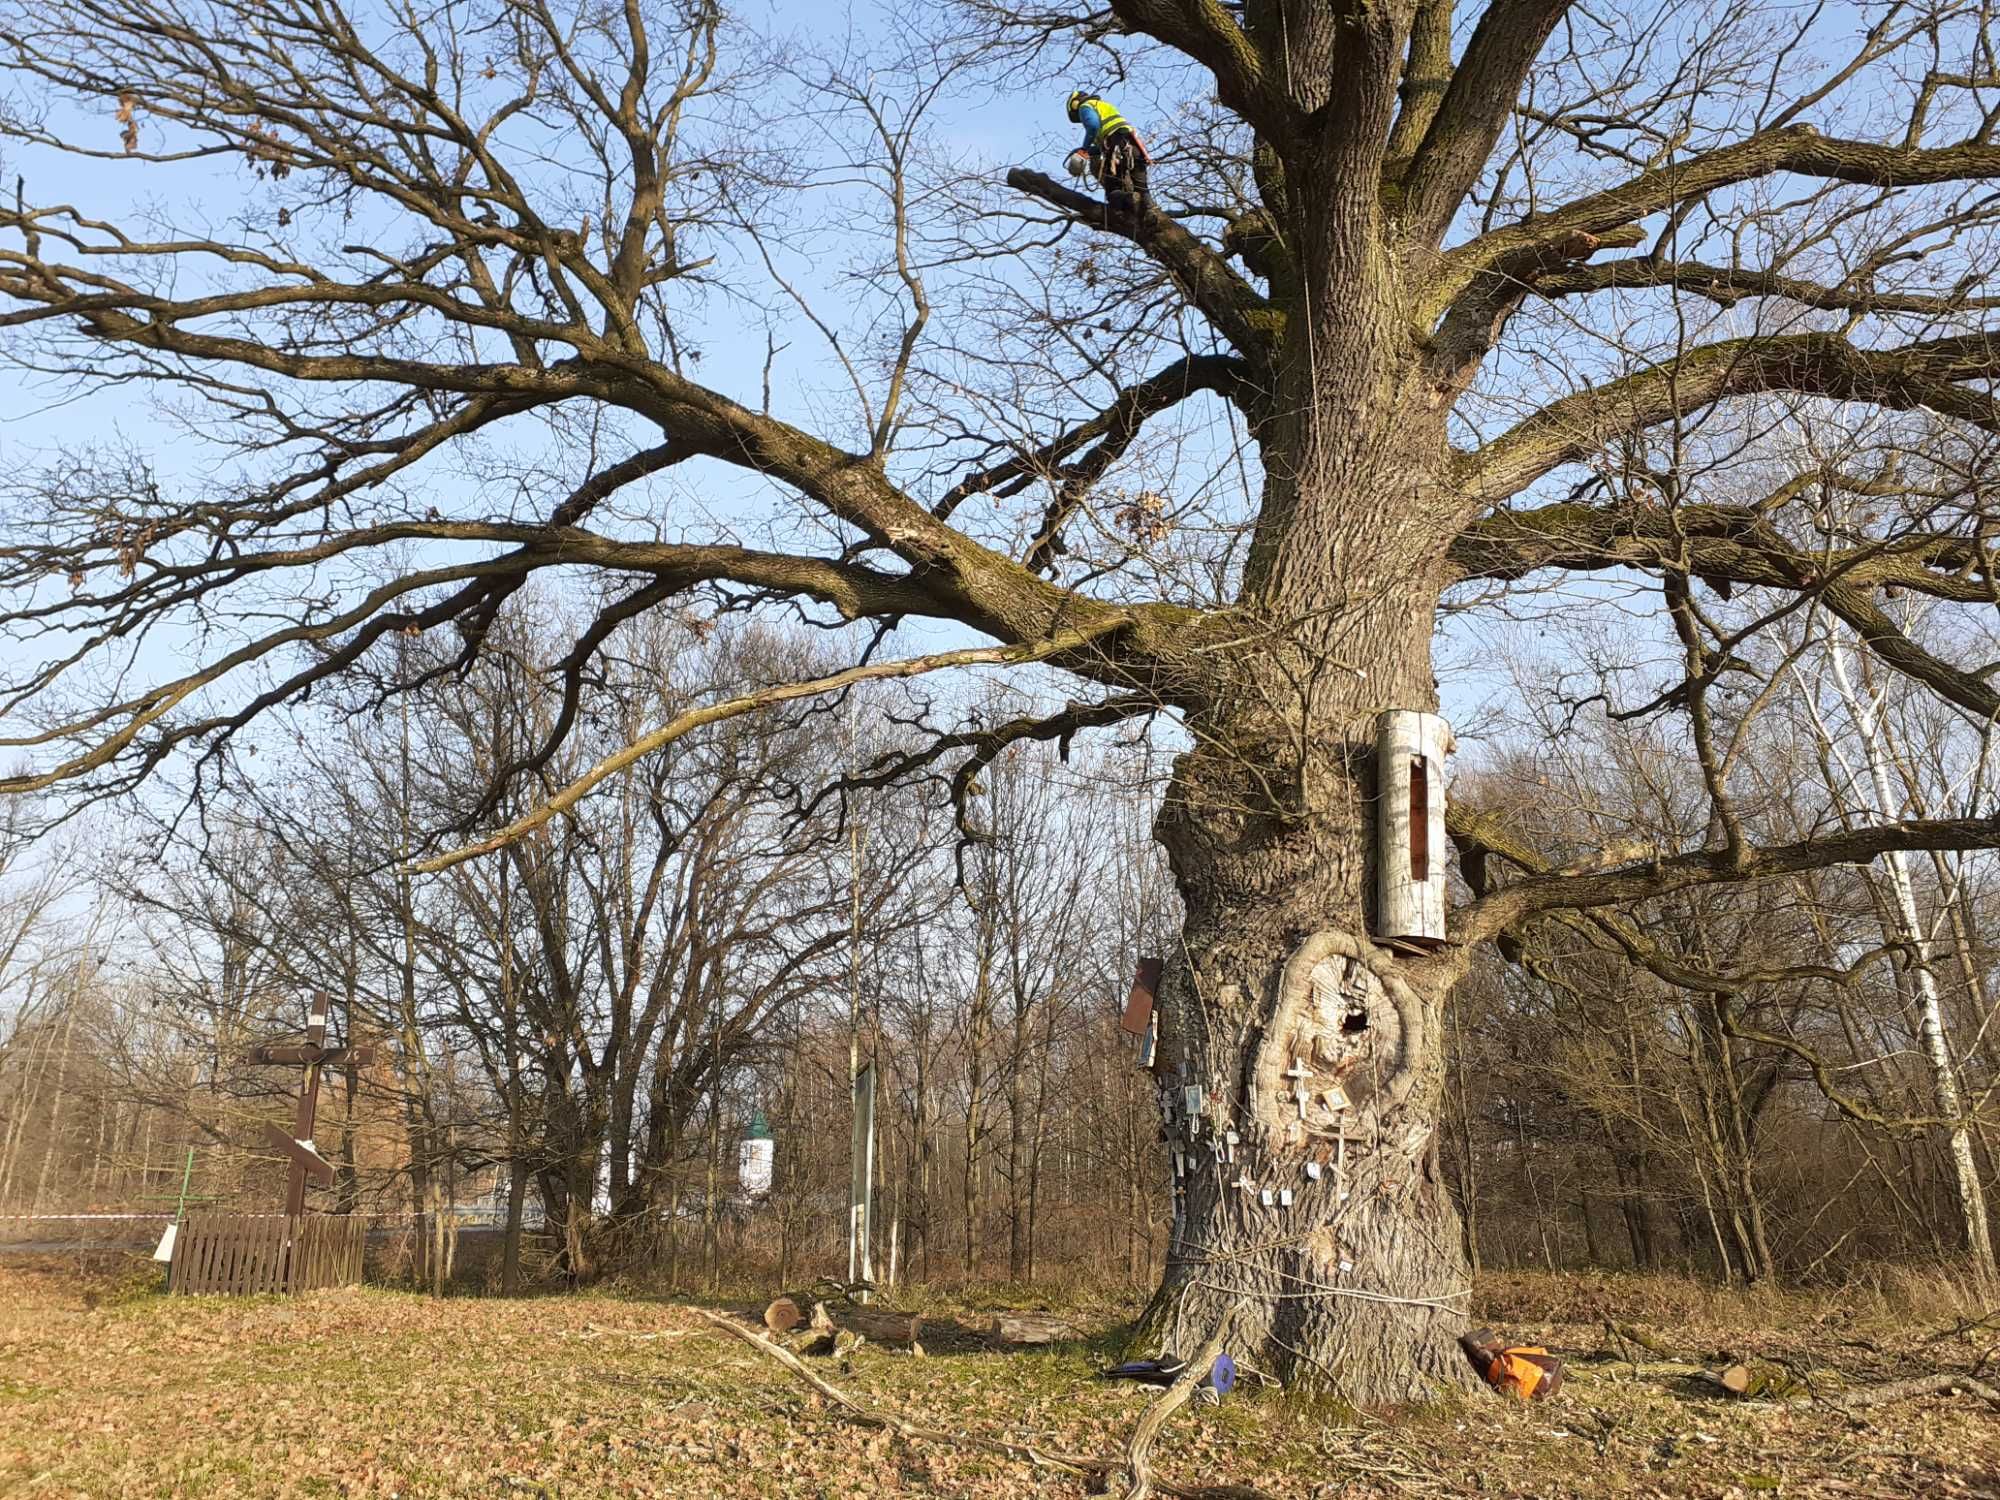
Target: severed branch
x=1088 y=1466
x=1897 y=1390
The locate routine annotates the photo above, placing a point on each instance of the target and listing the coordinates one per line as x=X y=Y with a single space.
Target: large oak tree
x=1491 y=293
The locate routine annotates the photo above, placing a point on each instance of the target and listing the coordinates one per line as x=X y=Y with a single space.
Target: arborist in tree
x=1111 y=152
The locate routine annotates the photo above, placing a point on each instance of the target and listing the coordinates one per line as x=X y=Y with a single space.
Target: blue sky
x=986 y=125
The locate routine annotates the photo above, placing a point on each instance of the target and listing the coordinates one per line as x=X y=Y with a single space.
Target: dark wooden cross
x=314 y=1055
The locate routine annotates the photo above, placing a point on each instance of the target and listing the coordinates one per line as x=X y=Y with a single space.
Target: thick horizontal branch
x=851 y=588
x=1481 y=837
x=1923 y=374
x=985 y=589
x=1248 y=323
x=1736 y=545
x=1646 y=880
x=1726 y=286
x=1798 y=149
x=1063 y=643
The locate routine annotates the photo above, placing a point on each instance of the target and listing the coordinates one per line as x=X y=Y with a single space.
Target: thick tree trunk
x=1326 y=1233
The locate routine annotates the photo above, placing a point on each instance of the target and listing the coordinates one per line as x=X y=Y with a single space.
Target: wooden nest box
x=1410 y=749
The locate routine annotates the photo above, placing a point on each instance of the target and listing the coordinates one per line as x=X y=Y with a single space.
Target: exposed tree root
x=1132 y=1463
x=1138 y=1447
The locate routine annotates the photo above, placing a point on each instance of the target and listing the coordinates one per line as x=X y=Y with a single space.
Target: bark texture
x=1301 y=1065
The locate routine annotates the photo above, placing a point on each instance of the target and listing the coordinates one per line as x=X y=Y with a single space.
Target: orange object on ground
x=1525 y=1371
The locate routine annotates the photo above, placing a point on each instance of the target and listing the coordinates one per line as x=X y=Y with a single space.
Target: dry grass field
x=109 y=1389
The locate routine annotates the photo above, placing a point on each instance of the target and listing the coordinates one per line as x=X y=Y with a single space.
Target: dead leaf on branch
x=128 y=116
x=266 y=152
x=1144 y=517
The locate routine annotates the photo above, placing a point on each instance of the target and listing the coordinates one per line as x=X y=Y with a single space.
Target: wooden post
x=295 y=1192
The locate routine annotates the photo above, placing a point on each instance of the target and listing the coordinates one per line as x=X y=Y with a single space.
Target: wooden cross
x=1298 y=1072
x=314 y=1055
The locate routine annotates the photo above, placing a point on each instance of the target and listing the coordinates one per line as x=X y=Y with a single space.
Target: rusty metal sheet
x=1139 y=1004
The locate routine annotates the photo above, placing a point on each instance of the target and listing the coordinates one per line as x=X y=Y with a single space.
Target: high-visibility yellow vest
x=1109 y=121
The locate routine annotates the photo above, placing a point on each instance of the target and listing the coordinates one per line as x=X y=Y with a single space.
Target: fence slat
x=235 y=1241
x=247 y=1254
x=204 y=1265
x=271 y=1277
x=254 y=1236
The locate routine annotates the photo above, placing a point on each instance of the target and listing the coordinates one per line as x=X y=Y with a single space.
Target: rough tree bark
x=1268 y=826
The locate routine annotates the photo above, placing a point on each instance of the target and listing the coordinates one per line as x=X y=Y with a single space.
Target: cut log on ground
x=783 y=1315
x=1085 y=1466
x=1753 y=1379
x=1032 y=1328
x=880 y=1325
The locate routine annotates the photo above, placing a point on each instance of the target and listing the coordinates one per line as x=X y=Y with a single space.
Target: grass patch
x=370 y=1392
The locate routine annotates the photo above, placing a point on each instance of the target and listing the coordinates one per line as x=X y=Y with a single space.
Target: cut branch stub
x=1344 y=1047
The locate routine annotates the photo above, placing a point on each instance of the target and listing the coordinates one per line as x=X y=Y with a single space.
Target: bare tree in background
x=500 y=220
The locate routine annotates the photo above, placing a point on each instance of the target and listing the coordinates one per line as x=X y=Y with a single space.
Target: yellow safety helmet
x=1075 y=106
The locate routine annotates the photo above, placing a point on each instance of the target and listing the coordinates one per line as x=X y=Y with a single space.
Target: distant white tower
x=754 y=1159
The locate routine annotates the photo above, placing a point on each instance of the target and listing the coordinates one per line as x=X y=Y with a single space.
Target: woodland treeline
x=573 y=1033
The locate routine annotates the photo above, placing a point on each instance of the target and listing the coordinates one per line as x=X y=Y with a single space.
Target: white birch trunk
x=1904 y=925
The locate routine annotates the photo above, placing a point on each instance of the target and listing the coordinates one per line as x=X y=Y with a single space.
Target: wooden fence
x=241 y=1254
